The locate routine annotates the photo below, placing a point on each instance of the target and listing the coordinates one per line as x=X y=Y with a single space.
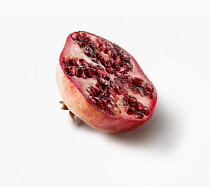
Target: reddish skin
x=75 y=99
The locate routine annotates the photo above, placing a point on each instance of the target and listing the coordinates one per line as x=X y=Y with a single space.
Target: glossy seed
x=104 y=99
x=146 y=111
x=138 y=116
x=149 y=95
x=98 y=101
x=111 y=90
x=101 y=73
x=104 y=83
x=136 y=81
x=132 y=99
x=89 y=73
x=117 y=91
x=92 y=100
x=149 y=88
x=141 y=92
x=138 y=106
x=131 y=111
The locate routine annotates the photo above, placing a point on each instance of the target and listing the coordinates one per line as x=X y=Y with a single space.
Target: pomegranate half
x=103 y=85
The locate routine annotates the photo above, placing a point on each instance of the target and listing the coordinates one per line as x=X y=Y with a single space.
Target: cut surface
x=108 y=77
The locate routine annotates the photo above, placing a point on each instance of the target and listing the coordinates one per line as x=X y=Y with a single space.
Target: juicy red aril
x=138 y=116
x=118 y=74
x=149 y=88
x=142 y=92
x=132 y=100
x=89 y=73
x=102 y=82
x=98 y=101
x=109 y=68
x=136 y=81
x=126 y=96
x=104 y=99
x=145 y=111
x=101 y=73
x=81 y=74
x=124 y=91
x=138 y=106
x=117 y=91
x=113 y=97
x=111 y=90
x=131 y=111
x=92 y=99
x=148 y=95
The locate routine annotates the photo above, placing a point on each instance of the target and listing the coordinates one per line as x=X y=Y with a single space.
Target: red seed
x=149 y=88
x=104 y=99
x=146 y=111
x=98 y=101
x=83 y=75
x=149 y=95
x=133 y=105
x=96 y=89
x=131 y=111
x=90 y=91
x=138 y=116
x=117 y=60
x=118 y=82
x=106 y=50
x=121 y=69
x=136 y=81
x=113 y=98
x=118 y=74
x=134 y=90
x=117 y=91
x=89 y=73
x=100 y=43
x=142 y=84
x=75 y=71
x=106 y=63
x=101 y=73
x=142 y=93
x=98 y=85
x=126 y=96
x=138 y=106
x=103 y=82
x=126 y=84
x=113 y=85
x=124 y=92
x=110 y=70
x=111 y=90
x=83 y=63
x=77 y=63
x=92 y=100
x=132 y=99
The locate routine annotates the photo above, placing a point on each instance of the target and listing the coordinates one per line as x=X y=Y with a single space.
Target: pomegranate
x=103 y=85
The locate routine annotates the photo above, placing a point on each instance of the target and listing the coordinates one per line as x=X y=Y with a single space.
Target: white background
x=40 y=146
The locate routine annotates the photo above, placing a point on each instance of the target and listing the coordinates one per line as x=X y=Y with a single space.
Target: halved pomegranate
x=103 y=85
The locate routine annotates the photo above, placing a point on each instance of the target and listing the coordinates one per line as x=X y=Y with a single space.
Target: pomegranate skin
x=77 y=103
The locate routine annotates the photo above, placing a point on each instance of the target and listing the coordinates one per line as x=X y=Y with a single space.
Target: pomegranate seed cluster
x=111 y=68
